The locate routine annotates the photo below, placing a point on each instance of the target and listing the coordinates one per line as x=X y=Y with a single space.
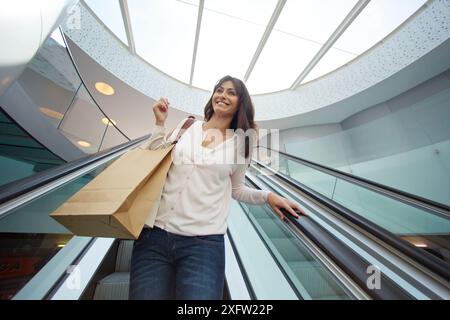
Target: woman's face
x=225 y=100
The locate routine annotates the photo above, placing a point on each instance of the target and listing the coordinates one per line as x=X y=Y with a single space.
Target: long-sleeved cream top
x=200 y=183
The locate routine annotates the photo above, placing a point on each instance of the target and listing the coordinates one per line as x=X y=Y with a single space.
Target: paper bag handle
x=186 y=125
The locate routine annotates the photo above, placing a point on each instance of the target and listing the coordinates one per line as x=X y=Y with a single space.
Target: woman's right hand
x=161 y=111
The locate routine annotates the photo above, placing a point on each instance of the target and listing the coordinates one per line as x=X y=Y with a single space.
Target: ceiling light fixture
x=107 y=121
x=51 y=113
x=6 y=80
x=84 y=144
x=104 y=88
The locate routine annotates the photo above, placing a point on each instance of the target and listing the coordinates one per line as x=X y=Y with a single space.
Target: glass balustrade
x=425 y=229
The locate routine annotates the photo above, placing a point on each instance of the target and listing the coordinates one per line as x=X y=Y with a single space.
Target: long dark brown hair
x=245 y=113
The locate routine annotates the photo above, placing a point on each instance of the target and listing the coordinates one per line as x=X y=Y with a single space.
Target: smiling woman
x=182 y=255
x=231 y=99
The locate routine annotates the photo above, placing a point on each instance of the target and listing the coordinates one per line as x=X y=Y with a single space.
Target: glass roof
x=378 y=20
x=266 y=43
x=109 y=12
x=164 y=34
x=229 y=37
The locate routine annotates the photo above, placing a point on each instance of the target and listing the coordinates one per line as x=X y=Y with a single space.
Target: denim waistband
x=159 y=230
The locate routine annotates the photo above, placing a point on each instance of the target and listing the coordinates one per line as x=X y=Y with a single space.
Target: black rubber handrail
x=346 y=258
x=426 y=259
x=396 y=194
x=20 y=187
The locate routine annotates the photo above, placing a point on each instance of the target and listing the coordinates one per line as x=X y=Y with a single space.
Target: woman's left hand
x=277 y=203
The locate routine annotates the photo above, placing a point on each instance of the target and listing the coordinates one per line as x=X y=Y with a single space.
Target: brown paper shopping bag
x=121 y=199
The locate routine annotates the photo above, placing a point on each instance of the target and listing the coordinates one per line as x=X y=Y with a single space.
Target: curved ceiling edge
x=110 y=53
x=413 y=40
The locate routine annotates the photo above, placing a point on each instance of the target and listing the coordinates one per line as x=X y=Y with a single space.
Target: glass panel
x=23 y=255
x=109 y=13
x=319 y=181
x=112 y=138
x=230 y=34
x=375 y=22
x=50 y=80
x=20 y=153
x=423 y=229
x=164 y=33
x=311 y=279
x=57 y=36
x=263 y=273
x=316 y=180
x=300 y=31
x=276 y=68
x=82 y=124
x=313 y=20
x=416 y=225
x=403 y=143
x=34 y=217
x=29 y=237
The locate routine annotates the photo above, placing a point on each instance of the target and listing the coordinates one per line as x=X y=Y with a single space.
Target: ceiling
x=132 y=109
x=129 y=108
x=271 y=45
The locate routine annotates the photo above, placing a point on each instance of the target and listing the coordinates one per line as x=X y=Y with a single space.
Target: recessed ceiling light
x=420 y=245
x=51 y=113
x=107 y=121
x=84 y=144
x=5 y=80
x=104 y=88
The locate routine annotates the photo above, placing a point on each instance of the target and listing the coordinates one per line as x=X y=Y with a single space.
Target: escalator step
x=123 y=260
x=343 y=297
x=316 y=281
x=291 y=251
x=113 y=287
x=261 y=212
x=272 y=228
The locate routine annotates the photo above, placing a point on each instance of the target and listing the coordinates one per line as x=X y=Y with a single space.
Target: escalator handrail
x=396 y=194
x=347 y=259
x=426 y=259
x=20 y=187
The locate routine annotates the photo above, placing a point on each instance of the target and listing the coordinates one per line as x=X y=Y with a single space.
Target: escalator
x=49 y=123
x=378 y=239
x=352 y=224
x=422 y=223
x=36 y=251
x=306 y=273
x=355 y=230
x=315 y=261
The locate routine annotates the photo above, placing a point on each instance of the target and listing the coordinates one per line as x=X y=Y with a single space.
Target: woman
x=183 y=255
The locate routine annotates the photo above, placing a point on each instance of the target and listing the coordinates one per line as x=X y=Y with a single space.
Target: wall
x=403 y=142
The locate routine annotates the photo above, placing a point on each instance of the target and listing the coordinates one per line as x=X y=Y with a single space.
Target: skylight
x=109 y=12
x=164 y=33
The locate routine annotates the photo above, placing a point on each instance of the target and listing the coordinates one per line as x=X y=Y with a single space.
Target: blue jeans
x=169 y=266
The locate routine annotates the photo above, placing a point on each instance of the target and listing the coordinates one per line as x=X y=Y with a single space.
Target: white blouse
x=200 y=183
